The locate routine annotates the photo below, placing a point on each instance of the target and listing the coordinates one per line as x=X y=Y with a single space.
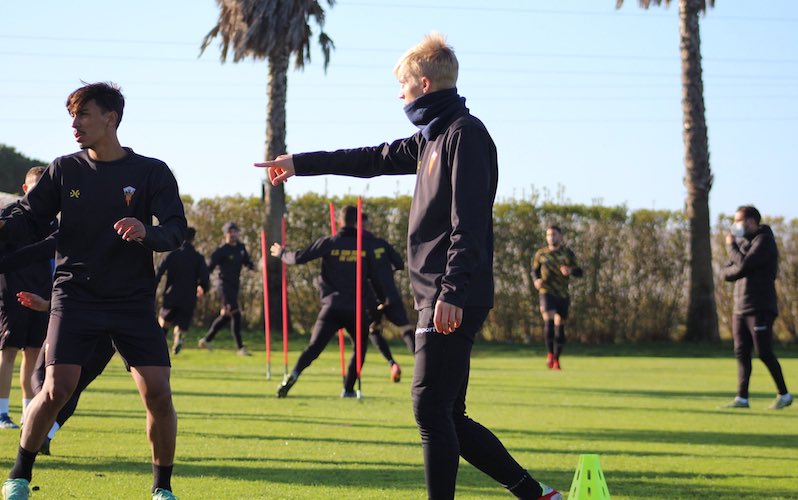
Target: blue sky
x=579 y=97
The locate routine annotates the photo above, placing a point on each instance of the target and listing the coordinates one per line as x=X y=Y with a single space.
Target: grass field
x=650 y=413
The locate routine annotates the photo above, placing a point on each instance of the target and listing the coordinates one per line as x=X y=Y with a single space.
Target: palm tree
x=273 y=30
x=702 y=314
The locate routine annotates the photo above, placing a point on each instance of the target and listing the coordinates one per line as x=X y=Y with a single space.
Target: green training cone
x=589 y=483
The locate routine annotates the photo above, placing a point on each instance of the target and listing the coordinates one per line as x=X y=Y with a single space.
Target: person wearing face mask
x=753 y=267
x=449 y=258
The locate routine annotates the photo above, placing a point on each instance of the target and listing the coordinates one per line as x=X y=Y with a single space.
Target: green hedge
x=635 y=262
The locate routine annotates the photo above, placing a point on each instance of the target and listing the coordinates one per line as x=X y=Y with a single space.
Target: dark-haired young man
x=104 y=282
x=552 y=267
x=22 y=328
x=450 y=258
x=388 y=260
x=337 y=286
x=229 y=257
x=186 y=280
x=753 y=266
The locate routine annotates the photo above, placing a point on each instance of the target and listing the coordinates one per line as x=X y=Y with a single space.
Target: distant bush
x=634 y=287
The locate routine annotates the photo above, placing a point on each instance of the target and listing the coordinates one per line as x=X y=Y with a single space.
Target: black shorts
x=21 y=327
x=73 y=333
x=177 y=315
x=559 y=305
x=393 y=312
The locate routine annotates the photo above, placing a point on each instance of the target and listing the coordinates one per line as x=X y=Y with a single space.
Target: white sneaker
x=782 y=401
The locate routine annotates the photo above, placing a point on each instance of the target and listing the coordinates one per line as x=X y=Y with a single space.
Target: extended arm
x=398 y=157
x=22 y=257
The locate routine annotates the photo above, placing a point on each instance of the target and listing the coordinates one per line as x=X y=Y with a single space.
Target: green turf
x=649 y=412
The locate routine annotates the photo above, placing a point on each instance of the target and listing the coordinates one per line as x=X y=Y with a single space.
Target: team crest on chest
x=128 y=194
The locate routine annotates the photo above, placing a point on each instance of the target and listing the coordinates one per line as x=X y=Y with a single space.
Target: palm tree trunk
x=275 y=195
x=702 y=315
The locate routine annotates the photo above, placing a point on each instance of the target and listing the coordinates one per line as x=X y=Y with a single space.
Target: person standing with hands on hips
x=450 y=258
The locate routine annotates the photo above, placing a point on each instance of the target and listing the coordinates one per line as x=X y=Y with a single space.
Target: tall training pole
x=264 y=252
x=341 y=340
x=359 y=295
x=285 y=305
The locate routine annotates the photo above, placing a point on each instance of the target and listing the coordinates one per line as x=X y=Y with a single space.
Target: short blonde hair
x=432 y=58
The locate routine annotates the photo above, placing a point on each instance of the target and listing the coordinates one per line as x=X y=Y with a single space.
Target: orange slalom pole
x=285 y=305
x=268 y=327
x=359 y=294
x=341 y=340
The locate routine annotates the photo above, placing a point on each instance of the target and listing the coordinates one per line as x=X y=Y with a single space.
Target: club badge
x=128 y=193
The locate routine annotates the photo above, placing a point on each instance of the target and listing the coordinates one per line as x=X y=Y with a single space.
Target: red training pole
x=359 y=293
x=285 y=305
x=268 y=327
x=341 y=340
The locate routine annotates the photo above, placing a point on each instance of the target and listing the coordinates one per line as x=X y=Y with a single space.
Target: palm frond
x=258 y=28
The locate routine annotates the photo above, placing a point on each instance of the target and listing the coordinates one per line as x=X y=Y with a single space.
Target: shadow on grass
x=405 y=478
x=693 y=438
x=722 y=349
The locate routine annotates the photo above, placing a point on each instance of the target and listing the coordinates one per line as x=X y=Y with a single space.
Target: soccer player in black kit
x=388 y=260
x=104 y=281
x=22 y=328
x=186 y=280
x=337 y=287
x=229 y=258
x=450 y=258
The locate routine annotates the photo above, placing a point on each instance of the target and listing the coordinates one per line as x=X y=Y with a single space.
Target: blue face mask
x=738 y=230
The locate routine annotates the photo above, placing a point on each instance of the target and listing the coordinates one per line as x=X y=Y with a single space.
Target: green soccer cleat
x=16 y=489
x=288 y=383
x=6 y=422
x=782 y=401
x=162 y=494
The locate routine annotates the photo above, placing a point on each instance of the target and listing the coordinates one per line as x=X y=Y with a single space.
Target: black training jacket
x=387 y=260
x=229 y=259
x=450 y=232
x=753 y=266
x=185 y=269
x=95 y=268
x=338 y=254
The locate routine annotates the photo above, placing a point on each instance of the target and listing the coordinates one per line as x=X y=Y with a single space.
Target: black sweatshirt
x=95 y=267
x=450 y=232
x=753 y=266
x=338 y=256
x=185 y=269
x=387 y=260
x=26 y=267
x=229 y=259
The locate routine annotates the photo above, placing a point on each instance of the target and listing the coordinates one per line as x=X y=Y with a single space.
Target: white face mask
x=738 y=230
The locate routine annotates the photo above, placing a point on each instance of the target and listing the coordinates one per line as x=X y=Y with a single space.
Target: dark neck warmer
x=434 y=111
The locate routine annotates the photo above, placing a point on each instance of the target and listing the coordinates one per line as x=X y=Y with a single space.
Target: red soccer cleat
x=549 y=360
x=555 y=364
x=396 y=372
